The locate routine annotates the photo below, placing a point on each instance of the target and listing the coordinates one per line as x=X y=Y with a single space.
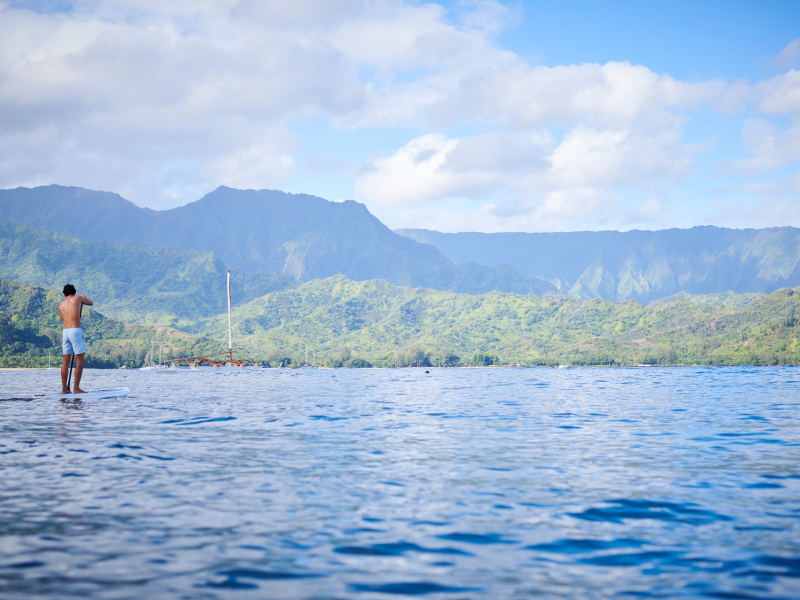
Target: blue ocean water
x=368 y=484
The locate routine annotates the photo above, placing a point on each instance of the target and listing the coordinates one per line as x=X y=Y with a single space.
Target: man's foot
x=79 y=391
x=65 y=392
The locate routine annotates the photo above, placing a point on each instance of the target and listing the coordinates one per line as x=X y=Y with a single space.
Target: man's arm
x=85 y=300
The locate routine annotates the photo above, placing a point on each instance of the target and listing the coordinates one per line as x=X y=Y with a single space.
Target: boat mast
x=230 y=334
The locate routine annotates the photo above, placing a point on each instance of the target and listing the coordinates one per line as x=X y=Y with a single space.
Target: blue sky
x=455 y=116
x=689 y=40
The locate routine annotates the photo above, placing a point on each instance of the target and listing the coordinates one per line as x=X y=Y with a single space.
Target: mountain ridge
x=303 y=237
x=264 y=231
x=637 y=264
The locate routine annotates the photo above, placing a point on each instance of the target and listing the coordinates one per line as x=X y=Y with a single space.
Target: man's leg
x=64 y=371
x=78 y=372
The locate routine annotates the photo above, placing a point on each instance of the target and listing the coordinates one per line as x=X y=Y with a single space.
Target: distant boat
x=164 y=369
x=308 y=366
x=152 y=365
x=157 y=368
x=49 y=368
x=563 y=366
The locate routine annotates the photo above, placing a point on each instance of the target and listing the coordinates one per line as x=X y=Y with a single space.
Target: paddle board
x=95 y=394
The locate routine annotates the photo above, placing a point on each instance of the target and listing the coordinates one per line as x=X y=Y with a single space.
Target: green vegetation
x=388 y=325
x=30 y=330
x=481 y=359
x=729 y=299
x=129 y=282
x=178 y=297
x=373 y=323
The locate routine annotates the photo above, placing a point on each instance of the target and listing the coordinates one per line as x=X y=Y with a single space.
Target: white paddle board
x=95 y=394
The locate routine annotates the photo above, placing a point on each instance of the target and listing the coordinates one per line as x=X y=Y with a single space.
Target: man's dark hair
x=69 y=290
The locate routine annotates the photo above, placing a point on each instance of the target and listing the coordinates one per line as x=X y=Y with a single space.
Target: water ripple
x=465 y=483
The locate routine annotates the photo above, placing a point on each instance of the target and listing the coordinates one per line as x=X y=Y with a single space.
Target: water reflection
x=70 y=414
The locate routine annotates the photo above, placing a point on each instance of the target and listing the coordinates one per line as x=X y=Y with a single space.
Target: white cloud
x=789 y=56
x=760 y=188
x=164 y=100
x=546 y=184
x=432 y=167
x=623 y=130
x=415 y=174
x=610 y=95
x=771 y=149
x=117 y=104
x=781 y=95
x=564 y=210
x=397 y=37
x=768 y=211
x=614 y=158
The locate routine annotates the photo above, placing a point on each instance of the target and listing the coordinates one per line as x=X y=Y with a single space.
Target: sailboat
x=49 y=368
x=151 y=366
x=209 y=362
x=308 y=366
x=161 y=367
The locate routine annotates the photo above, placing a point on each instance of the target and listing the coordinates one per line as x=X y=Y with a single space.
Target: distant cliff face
x=640 y=265
x=264 y=231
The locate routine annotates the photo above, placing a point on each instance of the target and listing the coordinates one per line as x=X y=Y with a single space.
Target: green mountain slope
x=303 y=238
x=299 y=236
x=378 y=320
x=730 y=299
x=127 y=281
x=30 y=330
x=639 y=265
x=374 y=322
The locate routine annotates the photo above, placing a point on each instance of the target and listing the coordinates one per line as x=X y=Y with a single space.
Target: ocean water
x=459 y=483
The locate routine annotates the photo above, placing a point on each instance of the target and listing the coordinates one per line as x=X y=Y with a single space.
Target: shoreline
x=470 y=367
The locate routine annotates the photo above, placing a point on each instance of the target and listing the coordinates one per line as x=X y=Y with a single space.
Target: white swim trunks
x=72 y=341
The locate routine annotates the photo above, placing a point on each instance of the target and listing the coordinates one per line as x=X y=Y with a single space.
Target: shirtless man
x=72 y=341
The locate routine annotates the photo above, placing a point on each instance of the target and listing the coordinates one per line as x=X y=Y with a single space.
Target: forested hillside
x=30 y=330
x=389 y=325
x=127 y=281
x=348 y=323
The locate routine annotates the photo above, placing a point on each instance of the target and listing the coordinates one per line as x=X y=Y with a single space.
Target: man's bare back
x=70 y=310
x=73 y=342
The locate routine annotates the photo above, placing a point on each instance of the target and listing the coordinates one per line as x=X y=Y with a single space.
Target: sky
x=473 y=115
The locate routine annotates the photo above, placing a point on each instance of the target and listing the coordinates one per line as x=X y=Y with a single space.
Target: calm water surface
x=462 y=483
